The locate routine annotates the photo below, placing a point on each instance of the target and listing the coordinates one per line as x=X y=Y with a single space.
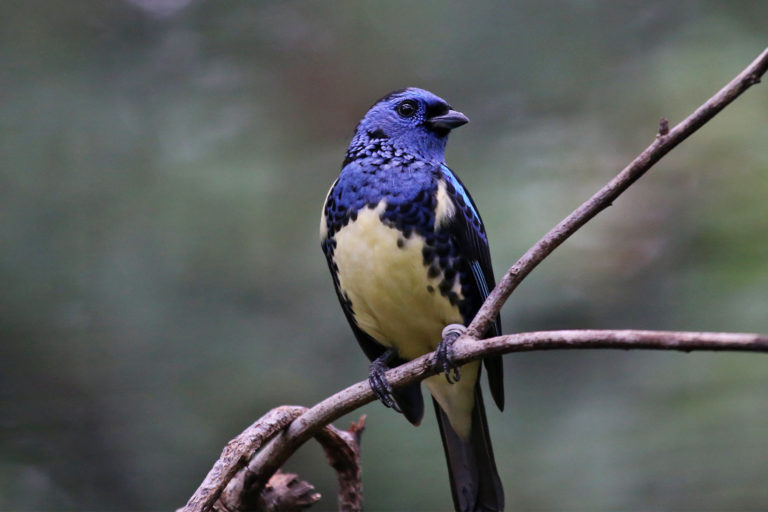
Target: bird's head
x=413 y=120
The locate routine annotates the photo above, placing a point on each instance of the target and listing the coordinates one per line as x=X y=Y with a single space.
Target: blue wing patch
x=477 y=272
x=459 y=189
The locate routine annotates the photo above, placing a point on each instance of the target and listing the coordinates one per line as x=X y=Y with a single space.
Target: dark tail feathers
x=475 y=483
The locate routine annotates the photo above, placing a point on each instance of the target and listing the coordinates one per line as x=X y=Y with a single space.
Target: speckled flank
x=323 y=220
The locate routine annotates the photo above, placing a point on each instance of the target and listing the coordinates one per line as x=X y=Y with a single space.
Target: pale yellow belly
x=389 y=289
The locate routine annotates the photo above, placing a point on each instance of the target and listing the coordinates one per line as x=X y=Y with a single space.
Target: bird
x=409 y=257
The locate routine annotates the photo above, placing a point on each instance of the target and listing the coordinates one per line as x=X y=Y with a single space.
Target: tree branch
x=235 y=455
x=272 y=456
x=277 y=451
x=663 y=143
x=342 y=448
x=234 y=484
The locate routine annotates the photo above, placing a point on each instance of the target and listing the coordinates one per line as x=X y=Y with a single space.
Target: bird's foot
x=444 y=353
x=378 y=380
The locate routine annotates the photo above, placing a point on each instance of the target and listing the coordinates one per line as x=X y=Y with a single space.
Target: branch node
x=356 y=428
x=342 y=448
x=663 y=127
x=283 y=493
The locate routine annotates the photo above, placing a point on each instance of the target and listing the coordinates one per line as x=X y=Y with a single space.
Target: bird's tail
x=475 y=483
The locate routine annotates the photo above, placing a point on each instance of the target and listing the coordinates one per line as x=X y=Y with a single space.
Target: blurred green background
x=161 y=283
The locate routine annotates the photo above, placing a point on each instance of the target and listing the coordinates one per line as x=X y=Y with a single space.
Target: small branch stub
x=284 y=492
x=342 y=448
x=663 y=127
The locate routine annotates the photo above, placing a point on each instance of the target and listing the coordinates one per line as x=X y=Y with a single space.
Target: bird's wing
x=466 y=227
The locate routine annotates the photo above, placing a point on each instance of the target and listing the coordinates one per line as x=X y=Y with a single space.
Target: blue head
x=412 y=120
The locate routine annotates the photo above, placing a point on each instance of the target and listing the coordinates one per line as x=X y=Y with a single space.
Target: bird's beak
x=448 y=121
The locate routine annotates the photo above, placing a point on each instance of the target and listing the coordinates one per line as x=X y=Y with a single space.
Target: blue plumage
x=408 y=254
x=410 y=208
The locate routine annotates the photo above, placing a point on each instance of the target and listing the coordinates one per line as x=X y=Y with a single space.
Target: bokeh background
x=161 y=283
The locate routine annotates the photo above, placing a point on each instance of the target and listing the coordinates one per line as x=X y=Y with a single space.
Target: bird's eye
x=406 y=108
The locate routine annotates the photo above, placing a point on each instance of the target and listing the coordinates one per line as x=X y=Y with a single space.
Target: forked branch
x=468 y=347
x=662 y=145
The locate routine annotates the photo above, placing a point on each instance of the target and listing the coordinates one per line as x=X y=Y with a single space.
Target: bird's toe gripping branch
x=444 y=353
x=378 y=380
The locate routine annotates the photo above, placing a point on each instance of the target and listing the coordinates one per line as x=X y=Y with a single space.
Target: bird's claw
x=381 y=388
x=444 y=353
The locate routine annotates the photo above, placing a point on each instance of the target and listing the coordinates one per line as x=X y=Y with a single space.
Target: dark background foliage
x=161 y=282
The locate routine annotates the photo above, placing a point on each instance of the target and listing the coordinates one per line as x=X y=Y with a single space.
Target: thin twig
x=606 y=195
